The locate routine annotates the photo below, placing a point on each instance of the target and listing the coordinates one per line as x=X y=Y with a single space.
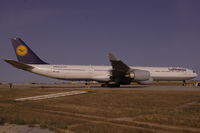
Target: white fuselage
x=115 y=75
x=102 y=73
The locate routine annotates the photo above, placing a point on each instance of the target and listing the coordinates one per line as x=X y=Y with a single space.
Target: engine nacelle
x=147 y=82
x=140 y=75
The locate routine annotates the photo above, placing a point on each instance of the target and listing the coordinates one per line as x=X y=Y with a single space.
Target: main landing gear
x=110 y=85
x=184 y=83
x=87 y=84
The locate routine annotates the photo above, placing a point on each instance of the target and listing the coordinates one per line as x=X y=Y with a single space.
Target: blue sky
x=139 y=32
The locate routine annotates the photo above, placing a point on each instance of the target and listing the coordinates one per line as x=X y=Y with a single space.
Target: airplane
x=115 y=75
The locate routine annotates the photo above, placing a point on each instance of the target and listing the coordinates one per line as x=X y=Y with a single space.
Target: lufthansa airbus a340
x=115 y=75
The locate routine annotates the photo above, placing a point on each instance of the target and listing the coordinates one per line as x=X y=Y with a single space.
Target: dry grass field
x=134 y=109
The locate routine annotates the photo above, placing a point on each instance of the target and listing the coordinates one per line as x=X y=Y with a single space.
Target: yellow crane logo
x=21 y=50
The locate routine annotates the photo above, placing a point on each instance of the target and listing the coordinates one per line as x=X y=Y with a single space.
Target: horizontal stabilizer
x=19 y=65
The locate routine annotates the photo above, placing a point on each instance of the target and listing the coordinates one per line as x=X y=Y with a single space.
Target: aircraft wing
x=19 y=65
x=120 y=69
x=118 y=65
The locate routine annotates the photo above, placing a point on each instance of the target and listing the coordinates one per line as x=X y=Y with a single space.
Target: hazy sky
x=139 y=32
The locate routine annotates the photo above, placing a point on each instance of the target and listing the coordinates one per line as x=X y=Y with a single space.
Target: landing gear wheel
x=113 y=85
x=110 y=85
x=184 y=83
x=103 y=85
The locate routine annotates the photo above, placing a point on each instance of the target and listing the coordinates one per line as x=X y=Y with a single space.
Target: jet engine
x=147 y=82
x=140 y=75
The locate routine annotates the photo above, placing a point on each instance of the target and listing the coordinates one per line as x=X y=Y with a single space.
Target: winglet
x=117 y=64
x=112 y=57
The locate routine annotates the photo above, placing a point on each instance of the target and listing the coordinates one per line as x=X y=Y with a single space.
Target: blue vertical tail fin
x=24 y=53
